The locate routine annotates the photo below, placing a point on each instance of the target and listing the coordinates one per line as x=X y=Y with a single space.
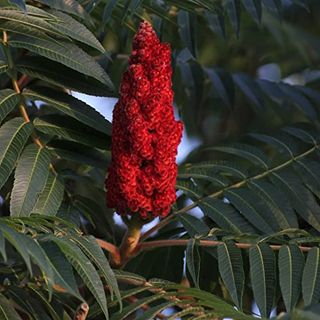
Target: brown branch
x=203 y=243
x=23 y=81
x=112 y=249
x=81 y=312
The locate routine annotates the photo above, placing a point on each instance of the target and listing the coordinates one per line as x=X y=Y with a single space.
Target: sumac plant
x=106 y=219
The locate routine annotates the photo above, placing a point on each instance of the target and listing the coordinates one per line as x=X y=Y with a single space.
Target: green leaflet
x=20 y=20
x=8 y=101
x=13 y=136
x=71 y=106
x=68 y=6
x=30 y=178
x=75 y=30
x=262 y=274
x=63 y=273
x=231 y=270
x=50 y=197
x=311 y=278
x=85 y=270
x=66 y=128
x=59 y=75
x=193 y=261
x=65 y=53
x=246 y=203
x=91 y=248
x=291 y=263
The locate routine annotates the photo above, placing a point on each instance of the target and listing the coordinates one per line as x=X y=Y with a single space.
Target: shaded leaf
x=50 y=197
x=13 y=136
x=311 y=278
x=30 y=178
x=193 y=261
x=71 y=106
x=65 y=53
x=263 y=273
x=8 y=101
x=291 y=263
x=231 y=271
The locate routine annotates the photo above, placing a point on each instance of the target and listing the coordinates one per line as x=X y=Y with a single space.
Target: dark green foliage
x=253 y=181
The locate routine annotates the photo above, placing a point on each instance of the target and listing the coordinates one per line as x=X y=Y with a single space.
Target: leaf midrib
x=30 y=178
x=10 y=142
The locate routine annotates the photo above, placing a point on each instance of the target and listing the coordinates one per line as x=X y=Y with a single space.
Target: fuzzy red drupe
x=145 y=134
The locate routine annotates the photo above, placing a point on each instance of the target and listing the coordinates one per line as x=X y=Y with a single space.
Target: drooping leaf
x=250 y=89
x=65 y=53
x=13 y=136
x=62 y=269
x=291 y=263
x=225 y=216
x=251 y=153
x=61 y=76
x=80 y=154
x=193 y=261
x=246 y=203
x=276 y=199
x=262 y=274
x=86 y=271
x=66 y=128
x=30 y=178
x=17 y=240
x=68 y=6
x=300 y=197
x=193 y=225
x=21 y=22
x=231 y=270
x=300 y=101
x=165 y=263
x=222 y=85
x=50 y=197
x=75 y=30
x=91 y=248
x=71 y=106
x=8 y=101
x=311 y=278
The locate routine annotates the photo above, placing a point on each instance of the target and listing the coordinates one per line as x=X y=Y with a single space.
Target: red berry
x=145 y=134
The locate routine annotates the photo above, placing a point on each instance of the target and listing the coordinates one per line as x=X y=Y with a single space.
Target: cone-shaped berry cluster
x=145 y=134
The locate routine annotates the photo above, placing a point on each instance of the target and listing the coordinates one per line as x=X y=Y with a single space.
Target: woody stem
x=203 y=243
x=131 y=239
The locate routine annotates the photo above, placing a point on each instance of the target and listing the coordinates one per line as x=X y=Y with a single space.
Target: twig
x=81 y=312
x=204 y=243
x=112 y=249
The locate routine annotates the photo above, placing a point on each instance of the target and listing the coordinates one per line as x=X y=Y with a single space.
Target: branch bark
x=81 y=312
x=204 y=243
